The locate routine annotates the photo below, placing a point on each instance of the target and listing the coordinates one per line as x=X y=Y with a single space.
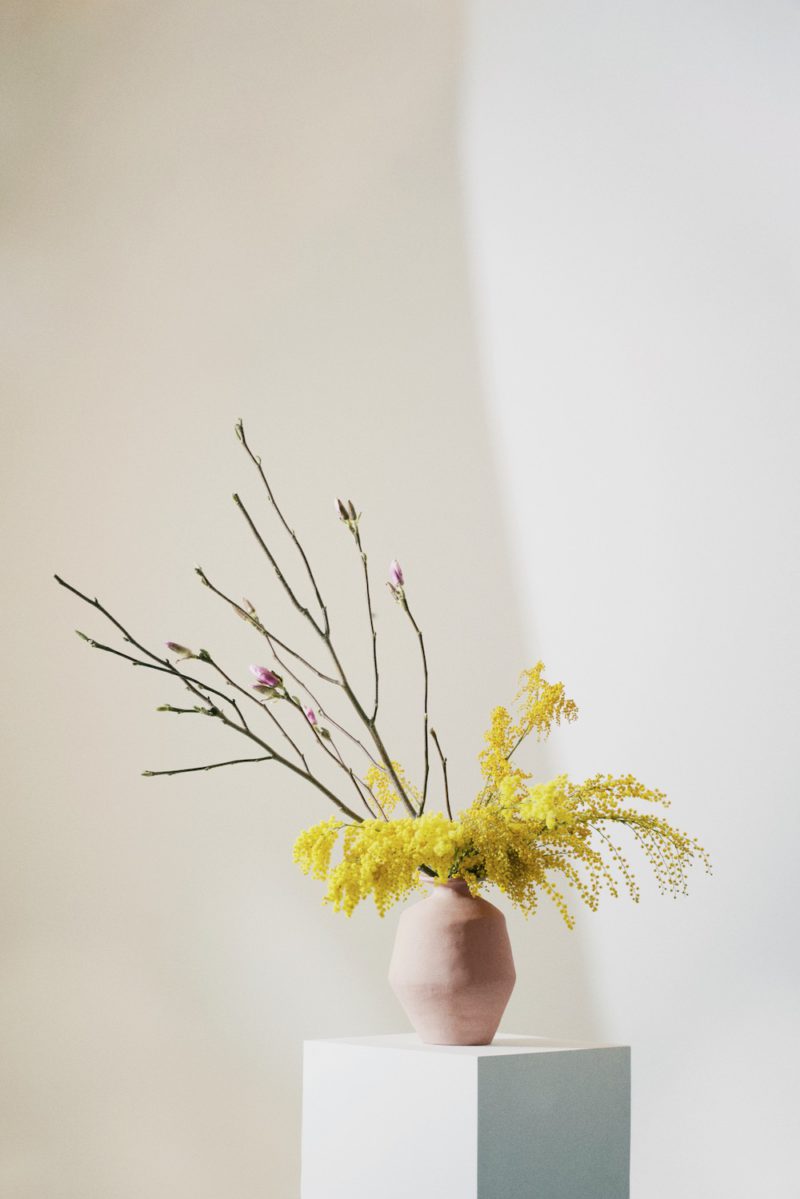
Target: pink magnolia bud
x=265 y=676
x=311 y=715
x=180 y=650
x=396 y=573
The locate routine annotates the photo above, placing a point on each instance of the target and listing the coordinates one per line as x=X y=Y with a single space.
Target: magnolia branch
x=362 y=789
x=324 y=633
x=151 y=774
x=204 y=656
x=373 y=730
x=353 y=522
x=256 y=460
x=301 y=608
x=328 y=746
x=443 y=760
x=251 y=617
x=400 y=592
x=162 y=665
x=196 y=688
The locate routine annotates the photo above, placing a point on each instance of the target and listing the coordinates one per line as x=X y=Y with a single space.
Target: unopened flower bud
x=266 y=677
x=396 y=573
x=352 y=510
x=311 y=715
x=341 y=508
x=180 y=650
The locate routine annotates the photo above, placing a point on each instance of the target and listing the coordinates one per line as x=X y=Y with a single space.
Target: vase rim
x=452 y=884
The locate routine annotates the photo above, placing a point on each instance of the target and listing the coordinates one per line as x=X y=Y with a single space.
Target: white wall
x=256 y=209
x=214 y=210
x=633 y=185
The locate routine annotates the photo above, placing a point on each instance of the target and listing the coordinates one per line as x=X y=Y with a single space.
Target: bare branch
x=426 y=755
x=443 y=760
x=256 y=460
x=323 y=631
x=274 y=642
x=253 y=619
x=357 y=538
x=329 y=747
x=151 y=774
x=205 y=656
x=196 y=689
x=301 y=608
x=323 y=711
x=161 y=664
x=373 y=730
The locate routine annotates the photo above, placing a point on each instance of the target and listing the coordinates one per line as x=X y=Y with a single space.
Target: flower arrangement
x=527 y=839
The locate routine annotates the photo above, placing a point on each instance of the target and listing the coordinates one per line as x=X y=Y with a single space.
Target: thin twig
x=383 y=753
x=324 y=633
x=301 y=608
x=357 y=538
x=158 y=664
x=323 y=711
x=205 y=656
x=182 y=711
x=329 y=747
x=360 y=783
x=196 y=690
x=443 y=760
x=252 y=618
x=404 y=602
x=256 y=460
x=151 y=774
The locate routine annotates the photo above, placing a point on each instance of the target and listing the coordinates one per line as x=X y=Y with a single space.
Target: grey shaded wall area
x=633 y=187
x=213 y=211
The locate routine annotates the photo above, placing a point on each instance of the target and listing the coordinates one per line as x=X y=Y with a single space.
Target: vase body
x=452 y=967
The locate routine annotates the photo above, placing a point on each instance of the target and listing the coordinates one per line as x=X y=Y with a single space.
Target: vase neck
x=454 y=884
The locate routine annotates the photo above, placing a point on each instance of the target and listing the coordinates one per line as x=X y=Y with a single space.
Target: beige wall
x=214 y=210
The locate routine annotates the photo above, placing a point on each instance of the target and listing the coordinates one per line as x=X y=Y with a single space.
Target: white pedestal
x=524 y=1118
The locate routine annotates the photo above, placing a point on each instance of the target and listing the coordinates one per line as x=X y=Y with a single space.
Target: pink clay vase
x=452 y=967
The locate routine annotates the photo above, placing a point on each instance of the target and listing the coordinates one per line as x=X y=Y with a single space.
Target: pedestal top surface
x=503 y=1044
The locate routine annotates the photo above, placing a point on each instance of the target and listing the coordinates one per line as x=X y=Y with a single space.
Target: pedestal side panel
x=555 y=1125
x=387 y=1123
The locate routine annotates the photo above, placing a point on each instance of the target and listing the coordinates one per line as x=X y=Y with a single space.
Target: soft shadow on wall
x=633 y=219
x=222 y=211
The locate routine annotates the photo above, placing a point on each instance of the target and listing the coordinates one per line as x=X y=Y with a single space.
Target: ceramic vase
x=452 y=968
